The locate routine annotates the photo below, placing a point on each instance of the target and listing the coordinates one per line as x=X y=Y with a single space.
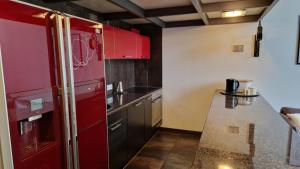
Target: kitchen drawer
x=117 y=135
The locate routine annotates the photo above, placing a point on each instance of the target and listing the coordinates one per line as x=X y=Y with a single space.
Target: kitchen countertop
x=120 y=101
x=246 y=134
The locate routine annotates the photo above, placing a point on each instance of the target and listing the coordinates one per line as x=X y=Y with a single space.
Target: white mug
x=246 y=92
x=244 y=84
x=252 y=90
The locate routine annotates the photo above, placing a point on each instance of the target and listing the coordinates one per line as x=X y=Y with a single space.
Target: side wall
x=197 y=60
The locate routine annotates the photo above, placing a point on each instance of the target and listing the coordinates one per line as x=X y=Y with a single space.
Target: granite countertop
x=246 y=133
x=120 y=101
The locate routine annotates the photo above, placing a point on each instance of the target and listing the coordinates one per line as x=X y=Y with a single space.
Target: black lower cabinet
x=149 y=130
x=136 y=127
x=117 y=133
x=129 y=129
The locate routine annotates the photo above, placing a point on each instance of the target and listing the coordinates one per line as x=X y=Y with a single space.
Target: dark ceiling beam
x=118 y=16
x=179 y=10
x=231 y=5
x=197 y=22
x=184 y=23
x=241 y=19
x=268 y=9
x=136 y=10
x=198 y=6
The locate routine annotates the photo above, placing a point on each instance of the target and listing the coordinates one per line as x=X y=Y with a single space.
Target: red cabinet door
x=109 y=41
x=145 y=47
x=125 y=44
x=139 y=46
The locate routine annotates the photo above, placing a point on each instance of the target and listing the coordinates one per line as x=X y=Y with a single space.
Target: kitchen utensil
x=120 y=89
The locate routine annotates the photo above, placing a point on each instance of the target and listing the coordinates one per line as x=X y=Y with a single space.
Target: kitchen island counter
x=246 y=133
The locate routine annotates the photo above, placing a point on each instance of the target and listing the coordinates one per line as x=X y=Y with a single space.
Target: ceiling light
x=235 y=13
x=223 y=166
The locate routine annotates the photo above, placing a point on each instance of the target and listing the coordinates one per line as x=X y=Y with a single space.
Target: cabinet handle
x=115 y=127
x=128 y=56
x=156 y=99
x=138 y=104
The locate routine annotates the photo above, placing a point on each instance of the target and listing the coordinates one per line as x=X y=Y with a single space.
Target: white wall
x=1 y=165
x=197 y=60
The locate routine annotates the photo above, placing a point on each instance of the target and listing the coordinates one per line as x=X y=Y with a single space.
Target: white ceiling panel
x=180 y=17
x=136 y=21
x=151 y=4
x=217 y=14
x=214 y=1
x=102 y=6
x=254 y=11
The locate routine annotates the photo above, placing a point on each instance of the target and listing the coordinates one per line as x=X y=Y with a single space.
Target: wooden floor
x=168 y=149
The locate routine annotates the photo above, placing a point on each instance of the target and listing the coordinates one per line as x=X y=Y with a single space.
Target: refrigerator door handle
x=71 y=91
x=64 y=90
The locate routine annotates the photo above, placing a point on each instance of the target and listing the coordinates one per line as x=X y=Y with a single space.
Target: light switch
x=238 y=48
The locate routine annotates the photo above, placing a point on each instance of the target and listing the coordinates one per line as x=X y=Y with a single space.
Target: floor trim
x=198 y=133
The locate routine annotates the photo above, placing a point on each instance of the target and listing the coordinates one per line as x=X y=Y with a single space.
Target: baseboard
x=197 y=133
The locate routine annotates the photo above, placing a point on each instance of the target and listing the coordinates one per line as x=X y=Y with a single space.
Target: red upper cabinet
x=139 y=47
x=125 y=44
x=109 y=41
x=145 y=47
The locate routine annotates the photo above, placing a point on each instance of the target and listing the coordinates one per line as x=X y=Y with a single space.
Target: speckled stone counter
x=246 y=133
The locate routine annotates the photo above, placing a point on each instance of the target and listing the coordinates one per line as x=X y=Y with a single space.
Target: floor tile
x=167 y=150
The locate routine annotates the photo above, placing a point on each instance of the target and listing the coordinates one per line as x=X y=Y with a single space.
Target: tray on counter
x=237 y=94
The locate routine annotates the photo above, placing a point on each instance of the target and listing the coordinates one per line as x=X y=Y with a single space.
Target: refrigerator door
x=30 y=81
x=87 y=50
x=90 y=114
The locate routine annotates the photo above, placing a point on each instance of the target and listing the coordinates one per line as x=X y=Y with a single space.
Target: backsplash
x=141 y=72
x=120 y=70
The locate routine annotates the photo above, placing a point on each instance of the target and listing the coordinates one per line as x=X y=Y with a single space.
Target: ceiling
x=177 y=12
x=152 y=4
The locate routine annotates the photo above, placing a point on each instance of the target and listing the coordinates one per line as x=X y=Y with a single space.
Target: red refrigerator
x=55 y=88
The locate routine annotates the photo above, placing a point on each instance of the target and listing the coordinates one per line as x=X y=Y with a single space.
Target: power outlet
x=109 y=87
